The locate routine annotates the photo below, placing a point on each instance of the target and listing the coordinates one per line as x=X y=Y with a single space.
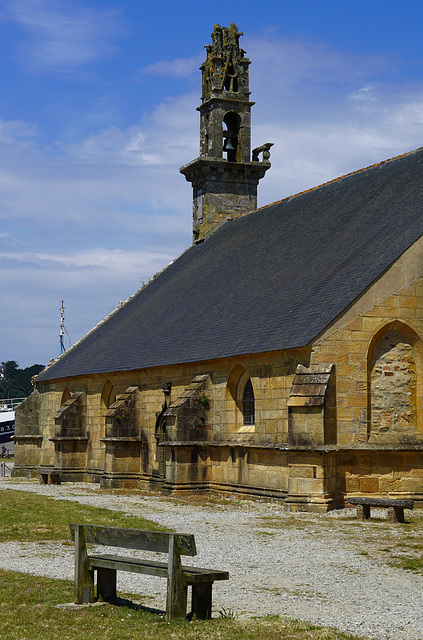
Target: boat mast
x=62 y=327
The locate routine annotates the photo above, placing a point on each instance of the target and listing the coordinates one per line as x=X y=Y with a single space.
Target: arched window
x=231 y=80
x=108 y=396
x=65 y=396
x=240 y=418
x=230 y=144
x=248 y=403
x=394 y=362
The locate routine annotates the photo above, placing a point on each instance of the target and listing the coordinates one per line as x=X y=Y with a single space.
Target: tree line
x=16 y=382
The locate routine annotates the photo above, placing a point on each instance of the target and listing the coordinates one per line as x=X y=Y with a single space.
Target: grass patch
x=29 y=517
x=408 y=563
x=28 y=610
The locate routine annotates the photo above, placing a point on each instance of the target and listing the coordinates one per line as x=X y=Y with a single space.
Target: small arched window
x=248 y=410
x=230 y=144
x=108 y=395
x=65 y=396
x=231 y=80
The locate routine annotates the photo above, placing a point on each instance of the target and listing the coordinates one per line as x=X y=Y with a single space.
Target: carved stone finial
x=225 y=70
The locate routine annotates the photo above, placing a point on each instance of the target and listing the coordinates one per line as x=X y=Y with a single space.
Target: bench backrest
x=136 y=538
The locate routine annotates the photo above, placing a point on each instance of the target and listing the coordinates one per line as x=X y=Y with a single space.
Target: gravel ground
x=289 y=571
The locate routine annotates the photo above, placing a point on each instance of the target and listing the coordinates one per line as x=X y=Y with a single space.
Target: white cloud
x=83 y=221
x=307 y=65
x=64 y=36
x=328 y=112
x=16 y=131
x=167 y=136
x=177 y=68
x=92 y=283
x=407 y=118
x=105 y=260
x=363 y=96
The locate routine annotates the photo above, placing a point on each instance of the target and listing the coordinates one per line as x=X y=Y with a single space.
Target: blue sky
x=98 y=112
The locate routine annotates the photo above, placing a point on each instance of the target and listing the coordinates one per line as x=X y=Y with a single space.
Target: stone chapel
x=279 y=356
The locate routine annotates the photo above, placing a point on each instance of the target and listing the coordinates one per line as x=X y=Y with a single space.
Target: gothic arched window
x=248 y=411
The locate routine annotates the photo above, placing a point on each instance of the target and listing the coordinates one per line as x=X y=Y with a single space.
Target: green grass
x=408 y=563
x=28 y=612
x=375 y=538
x=29 y=517
x=27 y=603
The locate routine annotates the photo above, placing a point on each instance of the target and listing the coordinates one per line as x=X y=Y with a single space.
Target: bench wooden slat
x=136 y=539
x=192 y=575
x=135 y=565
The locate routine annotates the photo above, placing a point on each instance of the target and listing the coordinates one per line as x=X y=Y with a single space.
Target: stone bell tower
x=225 y=175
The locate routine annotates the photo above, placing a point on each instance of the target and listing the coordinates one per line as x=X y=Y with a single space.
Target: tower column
x=225 y=176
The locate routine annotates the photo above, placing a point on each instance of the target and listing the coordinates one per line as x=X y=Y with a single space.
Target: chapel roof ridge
x=333 y=180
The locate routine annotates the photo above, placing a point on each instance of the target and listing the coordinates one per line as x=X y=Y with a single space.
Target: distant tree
x=16 y=382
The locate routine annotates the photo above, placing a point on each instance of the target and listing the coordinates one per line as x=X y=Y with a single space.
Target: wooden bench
x=106 y=566
x=49 y=476
x=395 y=507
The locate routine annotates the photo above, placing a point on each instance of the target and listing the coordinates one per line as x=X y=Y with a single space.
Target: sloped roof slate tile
x=267 y=281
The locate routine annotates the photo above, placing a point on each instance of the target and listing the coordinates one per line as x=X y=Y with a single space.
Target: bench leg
x=363 y=512
x=176 y=601
x=84 y=587
x=396 y=514
x=202 y=600
x=43 y=478
x=106 y=584
x=84 y=577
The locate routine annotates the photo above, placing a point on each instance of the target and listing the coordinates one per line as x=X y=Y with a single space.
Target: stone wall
x=367 y=436
x=359 y=350
x=271 y=376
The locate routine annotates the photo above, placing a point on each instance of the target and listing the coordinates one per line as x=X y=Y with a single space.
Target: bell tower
x=225 y=176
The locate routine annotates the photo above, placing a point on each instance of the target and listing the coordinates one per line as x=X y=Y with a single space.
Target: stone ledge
x=330 y=448
x=68 y=438
x=122 y=439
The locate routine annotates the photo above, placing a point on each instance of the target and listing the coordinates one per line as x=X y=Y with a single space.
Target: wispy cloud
x=81 y=220
x=16 y=132
x=327 y=111
x=61 y=36
x=30 y=322
x=177 y=68
x=108 y=261
x=166 y=136
x=293 y=61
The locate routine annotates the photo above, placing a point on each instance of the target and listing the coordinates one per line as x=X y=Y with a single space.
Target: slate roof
x=269 y=280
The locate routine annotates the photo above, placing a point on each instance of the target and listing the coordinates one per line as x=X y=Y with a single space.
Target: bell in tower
x=225 y=175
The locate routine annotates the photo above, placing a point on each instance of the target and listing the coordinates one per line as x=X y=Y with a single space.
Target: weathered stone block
x=369 y=485
x=352 y=484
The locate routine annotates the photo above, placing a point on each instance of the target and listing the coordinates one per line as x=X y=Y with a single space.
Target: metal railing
x=7 y=451
x=5 y=470
x=10 y=403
